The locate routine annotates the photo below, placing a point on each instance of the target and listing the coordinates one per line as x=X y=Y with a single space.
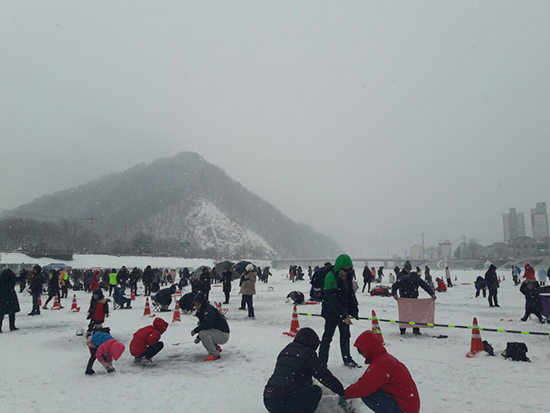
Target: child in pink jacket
x=105 y=348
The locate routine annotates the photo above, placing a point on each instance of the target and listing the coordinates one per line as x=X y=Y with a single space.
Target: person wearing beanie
x=212 y=329
x=146 y=342
x=106 y=349
x=98 y=311
x=408 y=283
x=290 y=387
x=248 y=289
x=406 y=269
x=339 y=306
x=386 y=385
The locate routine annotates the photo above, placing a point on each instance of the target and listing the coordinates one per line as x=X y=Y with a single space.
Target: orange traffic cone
x=56 y=305
x=477 y=344
x=294 y=324
x=177 y=315
x=133 y=296
x=456 y=278
x=147 y=311
x=74 y=308
x=376 y=328
x=40 y=301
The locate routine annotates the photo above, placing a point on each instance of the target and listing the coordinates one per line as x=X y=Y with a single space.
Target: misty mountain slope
x=207 y=227
x=183 y=198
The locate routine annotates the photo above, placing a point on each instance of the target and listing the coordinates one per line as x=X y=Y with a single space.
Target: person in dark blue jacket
x=120 y=299
x=481 y=285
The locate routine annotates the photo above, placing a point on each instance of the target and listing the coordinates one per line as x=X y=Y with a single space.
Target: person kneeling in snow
x=441 y=287
x=290 y=388
x=212 y=330
x=386 y=386
x=164 y=297
x=146 y=341
x=120 y=299
x=105 y=348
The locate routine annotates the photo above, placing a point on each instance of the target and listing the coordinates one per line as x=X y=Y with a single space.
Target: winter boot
x=89 y=372
x=212 y=358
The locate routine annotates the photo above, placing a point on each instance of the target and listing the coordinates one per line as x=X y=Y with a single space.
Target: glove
x=110 y=369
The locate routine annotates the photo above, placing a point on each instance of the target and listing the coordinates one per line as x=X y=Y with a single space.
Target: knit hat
x=249 y=267
x=308 y=337
x=408 y=265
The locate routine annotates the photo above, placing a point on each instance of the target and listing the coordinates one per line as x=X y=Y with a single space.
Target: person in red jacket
x=386 y=386
x=96 y=279
x=529 y=273
x=146 y=342
x=98 y=311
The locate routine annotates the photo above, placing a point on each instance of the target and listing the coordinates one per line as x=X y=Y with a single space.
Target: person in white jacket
x=542 y=276
x=448 y=277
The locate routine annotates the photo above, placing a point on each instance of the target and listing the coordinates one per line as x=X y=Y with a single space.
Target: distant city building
x=495 y=250
x=523 y=247
x=514 y=225
x=539 y=221
x=416 y=252
x=445 y=250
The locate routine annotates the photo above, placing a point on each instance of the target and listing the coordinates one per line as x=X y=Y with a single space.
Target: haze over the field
x=371 y=121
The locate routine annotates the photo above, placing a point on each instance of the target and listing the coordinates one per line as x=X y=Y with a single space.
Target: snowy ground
x=42 y=365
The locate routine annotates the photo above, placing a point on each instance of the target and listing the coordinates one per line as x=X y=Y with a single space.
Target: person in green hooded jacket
x=339 y=306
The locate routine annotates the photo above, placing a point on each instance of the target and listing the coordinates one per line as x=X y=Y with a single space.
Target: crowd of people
x=386 y=385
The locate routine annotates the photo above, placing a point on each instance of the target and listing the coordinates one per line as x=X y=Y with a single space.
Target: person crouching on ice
x=212 y=330
x=290 y=388
x=105 y=348
x=386 y=386
x=146 y=342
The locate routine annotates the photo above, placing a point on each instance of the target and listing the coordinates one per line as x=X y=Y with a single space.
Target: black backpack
x=318 y=279
x=516 y=352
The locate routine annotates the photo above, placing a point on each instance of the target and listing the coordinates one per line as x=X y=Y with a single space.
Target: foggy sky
x=370 y=121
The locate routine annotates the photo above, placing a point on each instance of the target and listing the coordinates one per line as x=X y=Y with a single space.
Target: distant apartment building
x=445 y=250
x=539 y=221
x=416 y=252
x=522 y=247
x=514 y=225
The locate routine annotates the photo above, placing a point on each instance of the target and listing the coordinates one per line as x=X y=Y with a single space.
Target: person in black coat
x=148 y=276
x=290 y=388
x=53 y=289
x=134 y=278
x=36 y=284
x=164 y=297
x=205 y=278
x=23 y=279
x=367 y=278
x=226 y=283
x=408 y=284
x=531 y=290
x=491 y=279
x=212 y=329
x=9 y=304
